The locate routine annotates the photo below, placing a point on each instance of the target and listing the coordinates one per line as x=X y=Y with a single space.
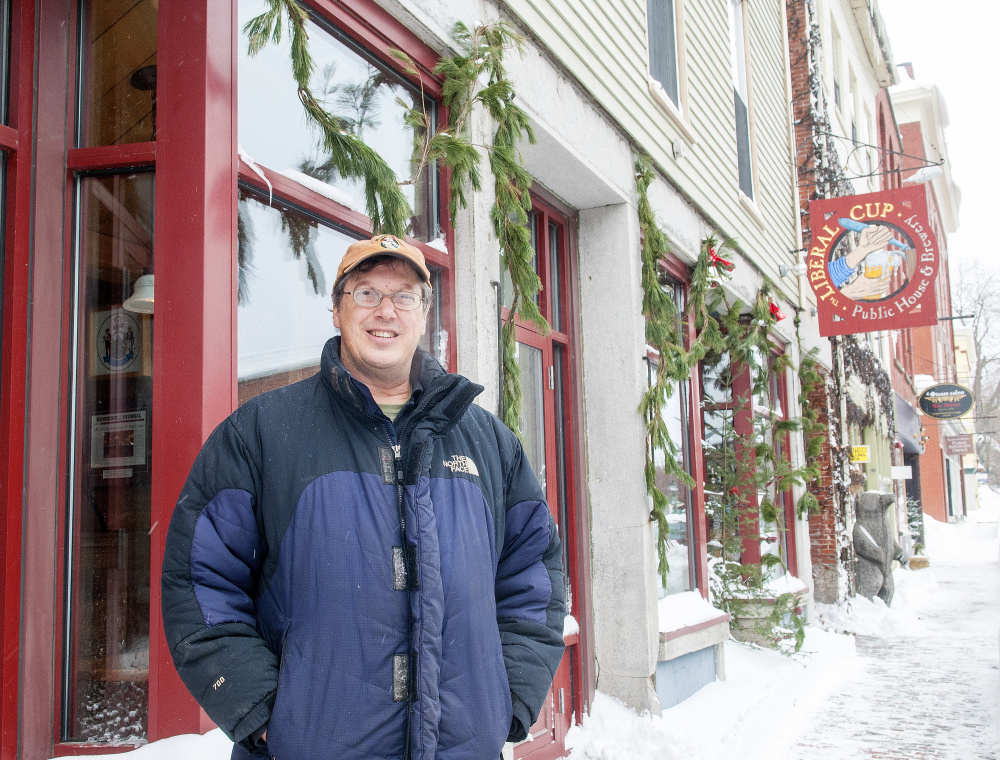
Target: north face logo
x=461 y=463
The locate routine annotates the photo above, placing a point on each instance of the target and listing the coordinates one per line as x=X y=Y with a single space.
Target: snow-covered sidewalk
x=917 y=680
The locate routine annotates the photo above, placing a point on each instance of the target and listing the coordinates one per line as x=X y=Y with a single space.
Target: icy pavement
x=931 y=691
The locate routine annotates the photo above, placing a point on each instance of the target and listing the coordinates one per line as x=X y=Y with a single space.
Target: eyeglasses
x=404 y=300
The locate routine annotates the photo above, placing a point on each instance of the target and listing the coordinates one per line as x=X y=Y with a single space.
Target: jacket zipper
x=396 y=443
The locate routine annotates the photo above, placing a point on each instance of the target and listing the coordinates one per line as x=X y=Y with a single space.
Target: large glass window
x=736 y=412
x=287 y=263
x=680 y=505
x=368 y=98
x=117 y=98
x=106 y=642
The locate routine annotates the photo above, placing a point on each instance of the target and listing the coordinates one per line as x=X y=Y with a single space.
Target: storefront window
x=117 y=98
x=719 y=442
x=287 y=264
x=354 y=86
x=731 y=426
x=106 y=647
x=680 y=506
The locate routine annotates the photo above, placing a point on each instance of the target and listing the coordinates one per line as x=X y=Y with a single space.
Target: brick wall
x=825 y=527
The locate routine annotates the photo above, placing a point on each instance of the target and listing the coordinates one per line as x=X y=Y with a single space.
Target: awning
x=908 y=426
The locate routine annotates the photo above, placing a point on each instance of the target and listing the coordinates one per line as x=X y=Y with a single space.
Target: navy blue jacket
x=292 y=602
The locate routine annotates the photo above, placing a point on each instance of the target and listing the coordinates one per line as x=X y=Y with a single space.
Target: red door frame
x=579 y=654
x=16 y=140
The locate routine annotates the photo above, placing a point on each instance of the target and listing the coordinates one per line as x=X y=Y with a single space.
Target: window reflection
x=287 y=264
x=106 y=661
x=118 y=73
x=531 y=363
x=354 y=87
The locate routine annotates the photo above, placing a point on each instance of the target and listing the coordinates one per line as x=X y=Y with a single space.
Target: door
x=547 y=431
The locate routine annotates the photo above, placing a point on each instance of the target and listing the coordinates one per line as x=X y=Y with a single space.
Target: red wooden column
x=12 y=382
x=46 y=372
x=194 y=347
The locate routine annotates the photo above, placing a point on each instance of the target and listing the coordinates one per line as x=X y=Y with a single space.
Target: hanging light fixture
x=141 y=301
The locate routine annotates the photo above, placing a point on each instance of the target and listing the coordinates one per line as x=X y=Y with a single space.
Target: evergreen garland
x=385 y=203
x=739 y=334
x=813 y=431
x=674 y=363
x=481 y=57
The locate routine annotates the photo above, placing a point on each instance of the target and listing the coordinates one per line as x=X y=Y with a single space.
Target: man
x=362 y=564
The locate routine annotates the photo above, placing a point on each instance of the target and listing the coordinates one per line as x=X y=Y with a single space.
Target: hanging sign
x=873 y=262
x=904 y=472
x=946 y=401
x=860 y=454
x=958 y=445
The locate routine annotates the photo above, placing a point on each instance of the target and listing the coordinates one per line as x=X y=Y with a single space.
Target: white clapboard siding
x=603 y=44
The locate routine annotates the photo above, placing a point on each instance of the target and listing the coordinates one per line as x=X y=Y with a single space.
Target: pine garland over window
x=739 y=334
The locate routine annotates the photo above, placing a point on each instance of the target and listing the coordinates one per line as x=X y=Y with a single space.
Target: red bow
x=716 y=260
x=776 y=312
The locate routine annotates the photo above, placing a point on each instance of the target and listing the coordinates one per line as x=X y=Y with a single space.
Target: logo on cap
x=388 y=241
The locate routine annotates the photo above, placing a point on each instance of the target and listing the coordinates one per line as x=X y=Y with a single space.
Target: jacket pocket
x=278 y=720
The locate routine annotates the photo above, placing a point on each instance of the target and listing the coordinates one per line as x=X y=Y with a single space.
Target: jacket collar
x=439 y=398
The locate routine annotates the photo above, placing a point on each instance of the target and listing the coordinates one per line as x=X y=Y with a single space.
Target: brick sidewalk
x=932 y=697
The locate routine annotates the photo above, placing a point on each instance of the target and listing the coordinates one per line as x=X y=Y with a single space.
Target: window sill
x=674 y=644
x=751 y=208
x=666 y=105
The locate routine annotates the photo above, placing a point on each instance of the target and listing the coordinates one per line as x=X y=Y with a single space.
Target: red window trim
x=13 y=380
x=377 y=31
x=127 y=156
x=8 y=138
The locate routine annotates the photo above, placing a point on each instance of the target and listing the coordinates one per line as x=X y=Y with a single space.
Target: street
x=932 y=693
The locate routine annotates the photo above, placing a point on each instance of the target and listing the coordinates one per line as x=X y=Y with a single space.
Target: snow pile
x=686 y=609
x=973 y=542
x=785 y=584
x=873 y=618
x=212 y=746
x=752 y=708
x=613 y=732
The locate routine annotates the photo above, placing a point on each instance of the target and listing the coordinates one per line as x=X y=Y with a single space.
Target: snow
x=776 y=706
x=785 y=584
x=320 y=187
x=685 y=609
x=256 y=170
x=211 y=746
x=438 y=244
x=570 y=626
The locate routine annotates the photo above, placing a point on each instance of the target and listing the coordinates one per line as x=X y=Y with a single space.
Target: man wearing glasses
x=362 y=564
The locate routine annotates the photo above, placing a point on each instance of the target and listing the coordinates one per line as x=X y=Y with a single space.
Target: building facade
x=143 y=143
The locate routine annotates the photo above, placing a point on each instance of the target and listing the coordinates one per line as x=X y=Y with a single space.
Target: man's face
x=377 y=344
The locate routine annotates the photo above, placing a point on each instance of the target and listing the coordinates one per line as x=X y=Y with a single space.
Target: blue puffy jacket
x=291 y=601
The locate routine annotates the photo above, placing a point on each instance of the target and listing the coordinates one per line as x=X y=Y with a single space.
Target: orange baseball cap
x=383 y=245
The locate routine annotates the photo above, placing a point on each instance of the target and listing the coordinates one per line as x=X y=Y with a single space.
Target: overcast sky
x=955 y=45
